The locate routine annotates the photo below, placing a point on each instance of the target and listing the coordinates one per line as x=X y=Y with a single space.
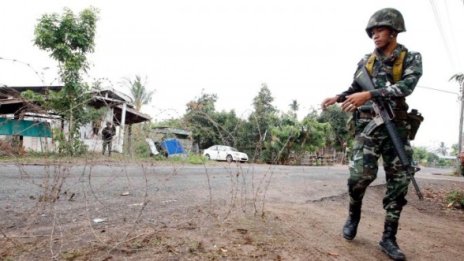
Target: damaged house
x=31 y=127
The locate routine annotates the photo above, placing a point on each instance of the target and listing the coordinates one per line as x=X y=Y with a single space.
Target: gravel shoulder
x=272 y=214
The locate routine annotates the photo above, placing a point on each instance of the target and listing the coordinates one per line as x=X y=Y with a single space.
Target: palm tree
x=294 y=107
x=140 y=94
x=443 y=150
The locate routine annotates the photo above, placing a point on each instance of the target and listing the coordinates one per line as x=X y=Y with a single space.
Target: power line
x=452 y=35
x=442 y=33
x=438 y=90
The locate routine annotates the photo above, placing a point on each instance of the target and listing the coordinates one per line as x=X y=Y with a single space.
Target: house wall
x=94 y=141
x=36 y=144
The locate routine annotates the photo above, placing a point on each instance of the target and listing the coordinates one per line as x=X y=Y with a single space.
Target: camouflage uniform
x=367 y=149
x=394 y=77
x=107 y=136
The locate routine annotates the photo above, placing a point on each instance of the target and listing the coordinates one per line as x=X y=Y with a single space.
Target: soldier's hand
x=355 y=100
x=348 y=106
x=329 y=101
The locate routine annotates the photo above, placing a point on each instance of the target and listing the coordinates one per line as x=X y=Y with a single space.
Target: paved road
x=159 y=193
x=186 y=184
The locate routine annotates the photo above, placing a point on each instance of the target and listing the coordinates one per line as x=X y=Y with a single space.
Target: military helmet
x=386 y=17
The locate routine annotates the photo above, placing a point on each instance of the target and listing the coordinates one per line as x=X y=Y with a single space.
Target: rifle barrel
x=399 y=148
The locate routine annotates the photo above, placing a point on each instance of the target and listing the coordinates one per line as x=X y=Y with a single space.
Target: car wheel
x=207 y=157
x=229 y=158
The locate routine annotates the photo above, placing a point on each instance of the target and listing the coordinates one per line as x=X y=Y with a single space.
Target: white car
x=221 y=152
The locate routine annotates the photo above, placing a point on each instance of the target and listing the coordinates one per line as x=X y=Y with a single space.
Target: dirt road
x=212 y=212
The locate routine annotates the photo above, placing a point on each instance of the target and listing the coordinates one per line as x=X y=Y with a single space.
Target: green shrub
x=196 y=159
x=190 y=158
x=456 y=198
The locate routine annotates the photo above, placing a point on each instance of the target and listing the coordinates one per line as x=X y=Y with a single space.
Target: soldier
x=395 y=72
x=107 y=136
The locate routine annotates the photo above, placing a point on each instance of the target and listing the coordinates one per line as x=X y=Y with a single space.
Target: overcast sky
x=303 y=50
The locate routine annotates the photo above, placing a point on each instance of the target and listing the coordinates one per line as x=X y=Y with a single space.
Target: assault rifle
x=384 y=115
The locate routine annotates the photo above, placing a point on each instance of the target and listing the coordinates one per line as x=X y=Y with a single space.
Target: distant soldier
x=107 y=136
x=395 y=71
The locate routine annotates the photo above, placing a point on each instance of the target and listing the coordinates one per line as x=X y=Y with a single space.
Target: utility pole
x=461 y=117
x=460 y=128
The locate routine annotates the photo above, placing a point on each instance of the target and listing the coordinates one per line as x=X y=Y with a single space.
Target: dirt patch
x=429 y=230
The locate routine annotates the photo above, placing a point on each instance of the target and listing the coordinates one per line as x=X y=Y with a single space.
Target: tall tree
x=262 y=103
x=69 y=39
x=140 y=95
x=443 y=150
x=200 y=119
x=262 y=119
x=294 y=107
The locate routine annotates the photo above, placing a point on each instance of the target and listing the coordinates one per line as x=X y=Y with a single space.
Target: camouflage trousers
x=107 y=143
x=367 y=149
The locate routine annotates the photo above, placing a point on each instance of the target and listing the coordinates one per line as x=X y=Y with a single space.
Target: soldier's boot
x=388 y=242
x=351 y=225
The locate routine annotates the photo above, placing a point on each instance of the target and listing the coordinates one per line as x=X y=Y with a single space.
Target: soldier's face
x=382 y=36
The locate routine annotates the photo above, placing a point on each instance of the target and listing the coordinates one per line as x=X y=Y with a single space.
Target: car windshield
x=233 y=149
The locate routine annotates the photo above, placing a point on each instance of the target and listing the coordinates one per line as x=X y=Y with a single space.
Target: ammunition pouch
x=414 y=120
x=400 y=115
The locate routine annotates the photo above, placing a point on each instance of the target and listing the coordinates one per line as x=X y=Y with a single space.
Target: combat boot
x=388 y=242
x=351 y=225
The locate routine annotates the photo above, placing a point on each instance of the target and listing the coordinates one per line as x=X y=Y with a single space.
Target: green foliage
x=284 y=139
x=443 y=150
x=246 y=139
x=292 y=137
x=459 y=77
x=454 y=149
x=227 y=127
x=71 y=147
x=426 y=158
x=200 y=119
x=141 y=149
x=264 y=114
x=294 y=106
x=263 y=102
x=196 y=159
x=265 y=136
x=34 y=97
x=317 y=134
x=173 y=123
x=140 y=94
x=420 y=155
x=456 y=198
x=338 y=120
x=68 y=39
x=261 y=120
x=205 y=103
x=189 y=158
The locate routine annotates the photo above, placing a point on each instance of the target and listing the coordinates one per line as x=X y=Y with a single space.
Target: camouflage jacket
x=382 y=77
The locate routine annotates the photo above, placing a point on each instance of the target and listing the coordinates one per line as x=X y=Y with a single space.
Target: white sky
x=303 y=50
